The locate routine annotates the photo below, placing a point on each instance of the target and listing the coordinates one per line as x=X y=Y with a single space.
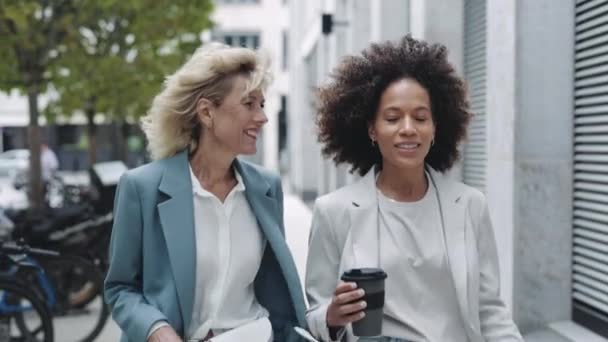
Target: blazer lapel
x=454 y=225
x=266 y=210
x=177 y=221
x=363 y=212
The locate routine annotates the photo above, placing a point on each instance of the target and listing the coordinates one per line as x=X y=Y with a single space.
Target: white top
x=421 y=301
x=48 y=163
x=229 y=249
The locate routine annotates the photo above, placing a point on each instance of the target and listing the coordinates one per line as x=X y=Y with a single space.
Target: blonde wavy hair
x=172 y=123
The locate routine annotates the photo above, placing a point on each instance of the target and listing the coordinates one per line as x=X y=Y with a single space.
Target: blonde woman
x=198 y=245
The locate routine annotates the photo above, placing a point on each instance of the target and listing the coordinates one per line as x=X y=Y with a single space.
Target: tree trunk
x=91 y=130
x=35 y=176
x=124 y=137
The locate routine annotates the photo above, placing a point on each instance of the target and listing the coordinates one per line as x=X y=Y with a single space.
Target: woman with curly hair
x=198 y=247
x=396 y=114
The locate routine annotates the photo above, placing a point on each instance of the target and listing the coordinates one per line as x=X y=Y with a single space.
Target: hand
x=164 y=334
x=345 y=307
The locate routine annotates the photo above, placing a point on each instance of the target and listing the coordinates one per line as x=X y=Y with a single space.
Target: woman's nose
x=261 y=117
x=407 y=126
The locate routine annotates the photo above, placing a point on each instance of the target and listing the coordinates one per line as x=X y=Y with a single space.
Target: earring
x=373 y=143
x=433 y=142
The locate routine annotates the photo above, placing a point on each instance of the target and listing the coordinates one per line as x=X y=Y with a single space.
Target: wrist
x=334 y=331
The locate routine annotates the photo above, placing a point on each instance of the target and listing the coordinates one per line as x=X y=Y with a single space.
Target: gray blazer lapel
x=453 y=211
x=266 y=210
x=177 y=220
x=363 y=212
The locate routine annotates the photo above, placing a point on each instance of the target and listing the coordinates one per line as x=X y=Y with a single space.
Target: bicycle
x=24 y=316
x=70 y=286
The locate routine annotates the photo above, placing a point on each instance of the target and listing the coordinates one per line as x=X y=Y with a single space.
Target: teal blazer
x=153 y=254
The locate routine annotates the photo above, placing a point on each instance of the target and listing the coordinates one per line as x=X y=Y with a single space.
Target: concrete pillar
x=501 y=112
x=544 y=59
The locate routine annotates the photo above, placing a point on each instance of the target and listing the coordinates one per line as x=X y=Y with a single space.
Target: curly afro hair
x=349 y=103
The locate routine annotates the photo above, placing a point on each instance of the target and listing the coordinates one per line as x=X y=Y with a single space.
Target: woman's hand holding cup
x=346 y=305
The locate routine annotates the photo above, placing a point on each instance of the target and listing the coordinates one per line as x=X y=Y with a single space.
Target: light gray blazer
x=344 y=223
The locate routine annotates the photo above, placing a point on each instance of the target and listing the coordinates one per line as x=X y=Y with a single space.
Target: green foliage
x=107 y=56
x=118 y=59
x=115 y=52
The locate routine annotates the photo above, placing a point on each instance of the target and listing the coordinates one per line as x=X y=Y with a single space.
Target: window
x=68 y=135
x=244 y=39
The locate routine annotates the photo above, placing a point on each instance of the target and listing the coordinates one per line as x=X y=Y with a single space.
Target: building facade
x=537 y=78
x=261 y=24
x=68 y=136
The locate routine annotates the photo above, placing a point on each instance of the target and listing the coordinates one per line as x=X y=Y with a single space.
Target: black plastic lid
x=363 y=274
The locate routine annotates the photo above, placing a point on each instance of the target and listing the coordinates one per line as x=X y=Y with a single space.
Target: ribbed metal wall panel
x=590 y=250
x=475 y=155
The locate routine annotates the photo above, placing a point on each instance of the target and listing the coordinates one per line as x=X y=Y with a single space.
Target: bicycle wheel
x=25 y=316
x=78 y=289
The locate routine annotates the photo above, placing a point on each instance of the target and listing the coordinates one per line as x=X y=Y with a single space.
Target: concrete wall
x=441 y=22
x=543 y=161
x=529 y=170
x=394 y=19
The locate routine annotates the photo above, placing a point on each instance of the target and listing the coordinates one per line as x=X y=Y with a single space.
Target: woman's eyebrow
x=391 y=108
x=253 y=97
x=422 y=108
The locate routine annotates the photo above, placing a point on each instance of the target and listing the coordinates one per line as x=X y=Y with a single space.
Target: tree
x=43 y=39
x=32 y=32
x=120 y=61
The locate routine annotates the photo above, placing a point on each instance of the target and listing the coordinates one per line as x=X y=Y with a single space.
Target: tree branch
x=54 y=34
x=12 y=29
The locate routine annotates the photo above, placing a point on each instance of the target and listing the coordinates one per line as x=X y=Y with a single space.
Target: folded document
x=257 y=331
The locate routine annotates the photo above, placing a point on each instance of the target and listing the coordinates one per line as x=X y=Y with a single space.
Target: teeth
x=252 y=133
x=409 y=146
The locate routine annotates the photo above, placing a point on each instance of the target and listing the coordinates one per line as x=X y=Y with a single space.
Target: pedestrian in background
x=48 y=168
x=48 y=161
x=198 y=246
x=397 y=114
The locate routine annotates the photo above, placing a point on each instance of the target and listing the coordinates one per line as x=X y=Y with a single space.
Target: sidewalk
x=297 y=227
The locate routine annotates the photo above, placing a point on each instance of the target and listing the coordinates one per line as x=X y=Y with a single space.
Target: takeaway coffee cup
x=371 y=280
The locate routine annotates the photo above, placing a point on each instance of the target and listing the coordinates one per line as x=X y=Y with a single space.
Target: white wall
x=501 y=113
x=270 y=19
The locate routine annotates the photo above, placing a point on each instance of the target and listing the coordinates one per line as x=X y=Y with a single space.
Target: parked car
x=14 y=162
x=11 y=198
